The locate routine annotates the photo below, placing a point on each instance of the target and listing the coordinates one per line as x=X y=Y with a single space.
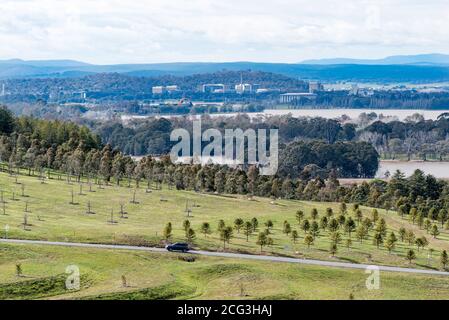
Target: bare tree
x=123 y=213
x=81 y=190
x=134 y=201
x=89 y=208
x=111 y=220
x=72 y=195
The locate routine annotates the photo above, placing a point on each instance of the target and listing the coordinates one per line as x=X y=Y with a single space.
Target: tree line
x=416 y=137
x=393 y=99
x=151 y=136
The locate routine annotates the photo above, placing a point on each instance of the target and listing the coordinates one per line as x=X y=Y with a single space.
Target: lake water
x=400 y=114
x=437 y=169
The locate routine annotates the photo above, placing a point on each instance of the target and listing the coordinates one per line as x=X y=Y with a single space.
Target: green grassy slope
x=165 y=276
x=51 y=217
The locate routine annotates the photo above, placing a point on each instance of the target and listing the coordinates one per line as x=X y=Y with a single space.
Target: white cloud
x=113 y=31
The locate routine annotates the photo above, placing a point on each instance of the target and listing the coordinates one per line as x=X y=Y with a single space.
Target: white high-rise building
x=158 y=90
x=243 y=88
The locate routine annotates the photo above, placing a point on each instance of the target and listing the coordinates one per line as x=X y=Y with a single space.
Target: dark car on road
x=178 y=246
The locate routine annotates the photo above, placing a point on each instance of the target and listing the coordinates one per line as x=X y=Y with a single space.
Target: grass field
x=51 y=217
x=206 y=278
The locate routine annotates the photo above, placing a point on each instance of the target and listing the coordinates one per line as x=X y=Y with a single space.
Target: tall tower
x=3 y=90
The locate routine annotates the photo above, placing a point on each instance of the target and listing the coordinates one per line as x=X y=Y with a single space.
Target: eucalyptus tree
x=248 y=229
x=314 y=214
x=390 y=243
x=287 y=228
x=299 y=216
x=444 y=260
x=349 y=226
x=295 y=236
x=238 y=224
x=411 y=255
x=225 y=235
x=314 y=229
x=190 y=235
x=262 y=240
x=167 y=232
x=434 y=231
x=305 y=225
x=308 y=241
x=333 y=225
x=206 y=229
x=254 y=223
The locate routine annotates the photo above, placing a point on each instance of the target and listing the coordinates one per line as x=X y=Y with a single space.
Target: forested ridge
x=151 y=135
x=103 y=85
x=414 y=138
x=381 y=99
x=103 y=88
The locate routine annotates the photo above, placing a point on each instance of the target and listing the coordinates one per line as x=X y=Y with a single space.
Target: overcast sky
x=119 y=31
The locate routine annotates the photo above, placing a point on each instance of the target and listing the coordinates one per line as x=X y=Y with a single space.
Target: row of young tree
x=331 y=224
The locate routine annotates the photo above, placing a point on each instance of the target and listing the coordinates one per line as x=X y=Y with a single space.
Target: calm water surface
x=437 y=169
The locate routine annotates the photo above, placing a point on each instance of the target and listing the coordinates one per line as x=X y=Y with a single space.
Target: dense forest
x=379 y=99
x=422 y=139
x=151 y=136
x=414 y=138
x=314 y=159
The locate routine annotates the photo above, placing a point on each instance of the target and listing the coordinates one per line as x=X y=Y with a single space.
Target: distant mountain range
x=44 y=63
x=419 y=59
x=418 y=68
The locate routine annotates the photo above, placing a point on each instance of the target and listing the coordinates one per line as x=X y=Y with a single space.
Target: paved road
x=231 y=255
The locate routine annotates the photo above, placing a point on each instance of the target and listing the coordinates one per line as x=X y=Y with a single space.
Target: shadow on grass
x=425 y=266
x=347 y=259
x=38 y=288
x=164 y=292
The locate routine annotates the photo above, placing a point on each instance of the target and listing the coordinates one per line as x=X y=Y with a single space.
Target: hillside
x=205 y=278
x=389 y=71
x=123 y=84
x=51 y=216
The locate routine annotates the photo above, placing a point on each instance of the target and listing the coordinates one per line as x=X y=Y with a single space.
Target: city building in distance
x=164 y=89
x=214 y=88
x=296 y=96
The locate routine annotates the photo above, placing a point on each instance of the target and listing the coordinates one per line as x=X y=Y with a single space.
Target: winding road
x=231 y=255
